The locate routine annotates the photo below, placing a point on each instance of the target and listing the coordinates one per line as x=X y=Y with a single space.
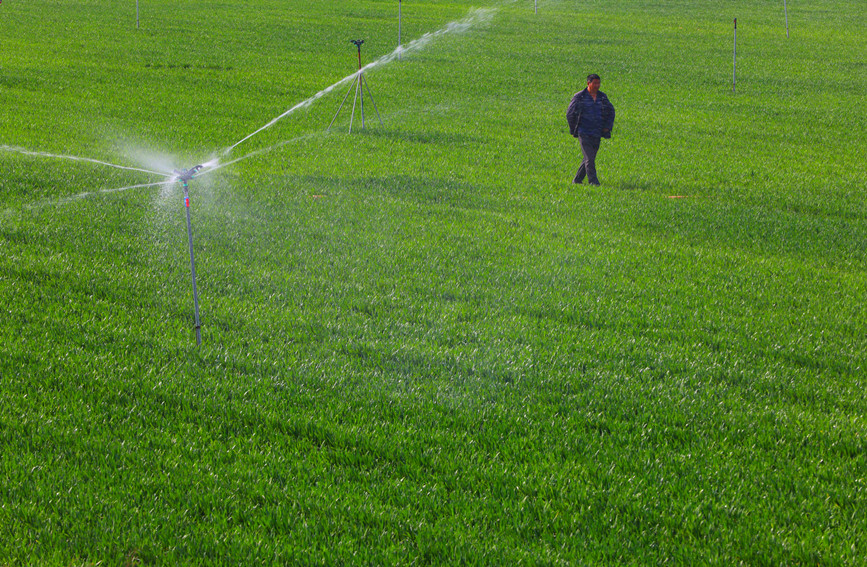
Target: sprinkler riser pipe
x=192 y=265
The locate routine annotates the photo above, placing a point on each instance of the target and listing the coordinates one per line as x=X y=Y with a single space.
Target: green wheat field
x=421 y=344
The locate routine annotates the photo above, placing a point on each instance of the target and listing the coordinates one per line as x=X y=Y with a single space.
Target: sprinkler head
x=185 y=174
x=357 y=42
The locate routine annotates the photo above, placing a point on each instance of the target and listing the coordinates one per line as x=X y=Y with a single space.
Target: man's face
x=593 y=86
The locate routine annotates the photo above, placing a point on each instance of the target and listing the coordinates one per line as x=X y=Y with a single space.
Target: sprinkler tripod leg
x=349 y=90
x=361 y=86
x=370 y=94
x=354 y=100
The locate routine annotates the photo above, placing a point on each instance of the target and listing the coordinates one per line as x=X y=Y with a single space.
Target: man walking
x=591 y=118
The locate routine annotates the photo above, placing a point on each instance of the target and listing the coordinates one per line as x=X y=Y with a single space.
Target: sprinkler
x=359 y=83
x=184 y=176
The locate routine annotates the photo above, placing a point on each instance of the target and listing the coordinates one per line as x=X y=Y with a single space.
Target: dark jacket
x=573 y=114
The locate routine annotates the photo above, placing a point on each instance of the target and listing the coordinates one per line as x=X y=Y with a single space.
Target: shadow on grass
x=645 y=186
x=445 y=138
x=636 y=185
x=424 y=190
x=662 y=188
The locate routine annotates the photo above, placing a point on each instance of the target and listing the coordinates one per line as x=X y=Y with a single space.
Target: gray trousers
x=589 y=147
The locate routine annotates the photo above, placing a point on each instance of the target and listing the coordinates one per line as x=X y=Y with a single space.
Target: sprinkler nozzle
x=357 y=42
x=185 y=174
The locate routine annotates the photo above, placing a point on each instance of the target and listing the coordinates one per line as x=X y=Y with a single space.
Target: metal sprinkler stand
x=184 y=176
x=359 y=83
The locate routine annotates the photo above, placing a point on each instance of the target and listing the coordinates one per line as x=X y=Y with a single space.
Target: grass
x=422 y=344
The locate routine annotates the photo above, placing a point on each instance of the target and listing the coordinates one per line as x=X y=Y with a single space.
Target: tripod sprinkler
x=359 y=84
x=184 y=176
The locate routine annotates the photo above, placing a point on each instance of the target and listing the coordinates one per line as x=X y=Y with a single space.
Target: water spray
x=184 y=176
x=474 y=17
x=359 y=83
x=26 y=152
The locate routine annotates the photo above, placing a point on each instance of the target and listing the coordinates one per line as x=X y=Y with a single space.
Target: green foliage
x=422 y=344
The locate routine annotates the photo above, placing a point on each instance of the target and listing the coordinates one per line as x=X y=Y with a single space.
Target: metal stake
x=399 y=19
x=786 y=9
x=735 y=63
